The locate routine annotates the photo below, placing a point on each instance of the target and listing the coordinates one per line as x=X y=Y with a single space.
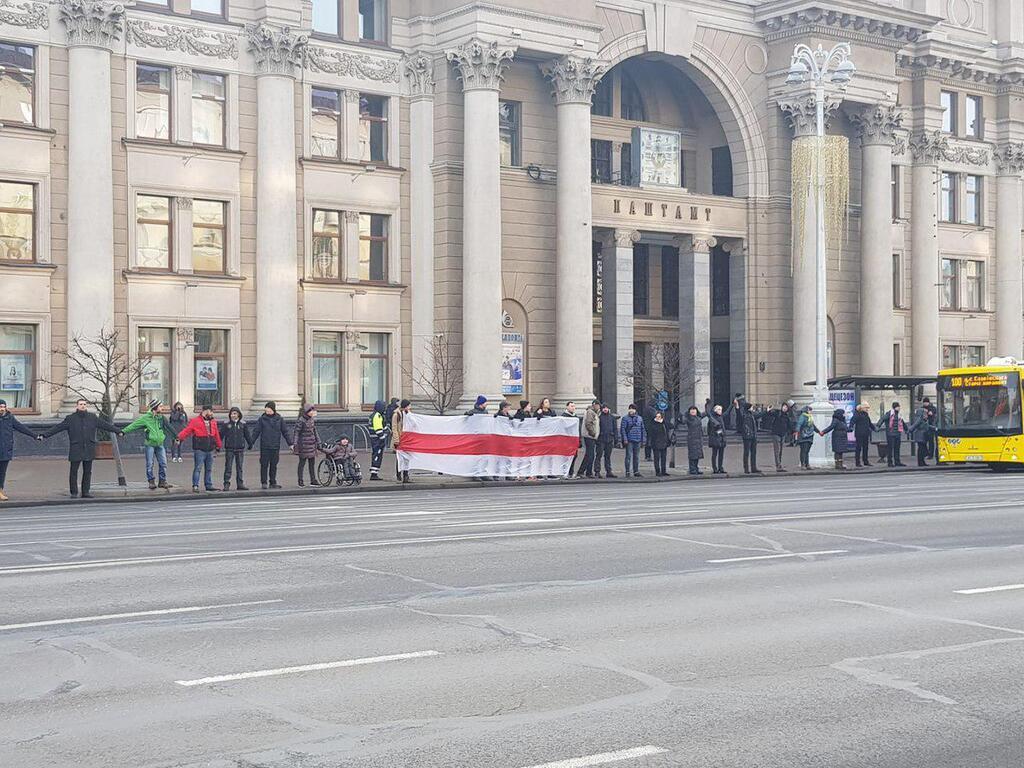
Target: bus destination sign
x=974 y=380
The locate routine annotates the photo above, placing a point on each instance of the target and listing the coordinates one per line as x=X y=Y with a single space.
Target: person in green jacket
x=157 y=430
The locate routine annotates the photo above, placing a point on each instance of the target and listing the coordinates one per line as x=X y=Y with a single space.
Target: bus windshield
x=980 y=404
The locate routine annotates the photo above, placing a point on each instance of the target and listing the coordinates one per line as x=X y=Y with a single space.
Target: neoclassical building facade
x=303 y=201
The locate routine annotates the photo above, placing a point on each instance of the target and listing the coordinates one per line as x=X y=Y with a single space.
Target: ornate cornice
x=855 y=22
x=419 y=71
x=277 y=50
x=194 y=40
x=27 y=15
x=803 y=115
x=321 y=59
x=481 y=65
x=935 y=146
x=878 y=124
x=1010 y=157
x=94 y=23
x=951 y=68
x=574 y=78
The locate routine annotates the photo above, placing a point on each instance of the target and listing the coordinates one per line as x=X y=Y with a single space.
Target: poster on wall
x=152 y=378
x=207 y=374
x=847 y=400
x=512 y=363
x=12 y=373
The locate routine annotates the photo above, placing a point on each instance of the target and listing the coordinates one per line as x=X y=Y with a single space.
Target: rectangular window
x=626 y=165
x=18 y=366
x=509 y=122
x=721 y=171
x=669 y=282
x=974 y=126
x=373 y=361
x=373 y=247
x=972 y=355
x=208 y=229
x=373 y=21
x=972 y=200
x=720 y=288
x=896 y=192
x=326 y=15
x=897 y=281
x=156 y=349
x=373 y=128
x=641 y=281
x=325 y=123
x=948 y=298
x=152 y=102
x=950 y=356
x=153 y=232
x=208 y=101
x=325 y=371
x=597 y=273
x=601 y=103
x=947 y=100
x=211 y=367
x=897 y=360
x=973 y=273
x=641 y=370
x=207 y=7
x=947 y=197
x=17 y=221
x=326 y=245
x=600 y=161
x=17 y=83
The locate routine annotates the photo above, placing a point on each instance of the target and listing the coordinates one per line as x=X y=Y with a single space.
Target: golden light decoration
x=836 y=158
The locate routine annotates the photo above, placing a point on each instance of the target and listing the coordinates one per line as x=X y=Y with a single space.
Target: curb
x=462 y=484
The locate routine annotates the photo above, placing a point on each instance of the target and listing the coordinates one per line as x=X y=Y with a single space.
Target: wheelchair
x=331 y=471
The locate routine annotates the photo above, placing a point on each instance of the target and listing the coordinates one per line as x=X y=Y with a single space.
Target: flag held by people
x=481 y=446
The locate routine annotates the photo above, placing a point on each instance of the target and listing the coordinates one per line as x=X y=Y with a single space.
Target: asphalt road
x=832 y=621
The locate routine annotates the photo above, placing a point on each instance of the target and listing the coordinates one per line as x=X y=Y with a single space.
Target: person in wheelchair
x=343 y=453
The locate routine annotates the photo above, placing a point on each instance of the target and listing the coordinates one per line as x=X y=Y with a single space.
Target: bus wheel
x=998 y=466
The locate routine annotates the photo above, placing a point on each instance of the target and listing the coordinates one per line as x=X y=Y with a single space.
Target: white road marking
x=133 y=615
x=604 y=758
x=307 y=668
x=515 y=521
x=985 y=590
x=776 y=557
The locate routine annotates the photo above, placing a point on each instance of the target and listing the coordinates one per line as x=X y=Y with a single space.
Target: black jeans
x=749 y=456
x=922 y=454
x=3 y=473
x=589 y=457
x=718 y=459
x=695 y=466
x=805 y=454
x=604 y=451
x=863 y=444
x=376 y=455
x=312 y=469
x=233 y=458
x=894 y=450
x=268 y=465
x=660 y=460
x=86 y=477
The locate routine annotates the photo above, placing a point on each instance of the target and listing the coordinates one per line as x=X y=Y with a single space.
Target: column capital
x=277 y=50
x=877 y=124
x=419 y=71
x=92 y=23
x=1010 y=158
x=625 y=238
x=574 y=78
x=696 y=243
x=481 y=64
x=802 y=112
x=350 y=217
x=183 y=73
x=929 y=146
x=734 y=245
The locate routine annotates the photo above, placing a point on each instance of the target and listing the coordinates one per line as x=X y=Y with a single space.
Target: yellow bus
x=979 y=415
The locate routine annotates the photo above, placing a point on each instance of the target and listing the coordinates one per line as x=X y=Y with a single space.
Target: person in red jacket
x=205 y=440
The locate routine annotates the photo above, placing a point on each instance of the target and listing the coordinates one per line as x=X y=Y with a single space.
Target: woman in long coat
x=716 y=440
x=307 y=440
x=694 y=439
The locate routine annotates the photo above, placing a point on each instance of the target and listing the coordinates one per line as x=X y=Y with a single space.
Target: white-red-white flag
x=484 y=446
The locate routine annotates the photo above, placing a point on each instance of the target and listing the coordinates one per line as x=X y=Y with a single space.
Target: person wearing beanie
x=270 y=430
x=634 y=435
x=81 y=426
x=307 y=441
x=397 y=420
x=236 y=435
x=525 y=411
x=479 y=407
x=8 y=426
x=380 y=430
x=157 y=430
x=895 y=428
x=503 y=410
x=178 y=421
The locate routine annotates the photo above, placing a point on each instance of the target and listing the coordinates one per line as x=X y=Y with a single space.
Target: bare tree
x=440 y=376
x=100 y=372
x=665 y=368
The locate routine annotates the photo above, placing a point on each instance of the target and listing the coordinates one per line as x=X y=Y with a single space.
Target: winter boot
x=164 y=484
x=152 y=485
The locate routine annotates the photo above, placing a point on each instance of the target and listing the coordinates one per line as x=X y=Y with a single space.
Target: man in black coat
x=863 y=426
x=605 y=442
x=81 y=427
x=269 y=430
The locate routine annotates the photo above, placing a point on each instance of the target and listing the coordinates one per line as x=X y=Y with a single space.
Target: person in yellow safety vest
x=379 y=431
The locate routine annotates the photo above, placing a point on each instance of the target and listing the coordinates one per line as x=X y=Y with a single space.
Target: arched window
x=632 y=103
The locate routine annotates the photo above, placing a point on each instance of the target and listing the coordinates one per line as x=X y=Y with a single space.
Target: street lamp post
x=822 y=67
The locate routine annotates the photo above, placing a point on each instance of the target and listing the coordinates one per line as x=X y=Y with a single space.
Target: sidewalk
x=42 y=481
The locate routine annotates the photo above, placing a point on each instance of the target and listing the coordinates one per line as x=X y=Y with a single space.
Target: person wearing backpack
x=157 y=429
x=805 y=431
x=237 y=437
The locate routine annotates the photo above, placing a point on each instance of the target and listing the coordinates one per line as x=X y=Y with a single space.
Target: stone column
x=1009 y=301
x=802 y=118
x=349 y=269
x=695 y=319
x=419 y=72
x=93 y=28
x=481 y=67
x=617 y=318
x=927 y=148
x=737 y=250
x=574 y=79
x=350 y=119
x=877 y=127
x=278 y=53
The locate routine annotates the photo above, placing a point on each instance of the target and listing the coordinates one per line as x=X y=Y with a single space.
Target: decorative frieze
x=1010 y=157
x=27 y=15
x=321 y=59
x=277 y=50
x=574 y=78
x=935 y=147
x=879 y=124
x=194 y=40
x=802 y=112
x=419 y=71
x=95 y=23
x=481 y=65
